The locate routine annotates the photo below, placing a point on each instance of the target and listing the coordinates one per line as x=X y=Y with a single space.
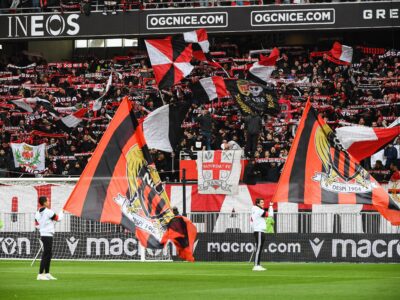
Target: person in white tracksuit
x=258 y=215
x=44 y=221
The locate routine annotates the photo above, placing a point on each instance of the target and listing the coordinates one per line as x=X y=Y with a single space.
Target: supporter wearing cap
x=231 y=145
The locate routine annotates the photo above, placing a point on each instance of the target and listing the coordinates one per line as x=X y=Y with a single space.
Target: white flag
x=219 y=171
x=31 y=158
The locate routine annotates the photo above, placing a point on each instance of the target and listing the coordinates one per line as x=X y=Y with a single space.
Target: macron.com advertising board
x=212 y=247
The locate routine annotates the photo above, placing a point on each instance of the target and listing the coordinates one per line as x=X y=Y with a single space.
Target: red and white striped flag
x=210 y=88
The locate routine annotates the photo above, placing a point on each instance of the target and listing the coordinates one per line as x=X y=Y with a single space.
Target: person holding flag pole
x=259 y=225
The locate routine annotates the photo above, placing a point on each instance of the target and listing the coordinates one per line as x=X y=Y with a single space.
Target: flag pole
x=184 y=192
x=162 y=97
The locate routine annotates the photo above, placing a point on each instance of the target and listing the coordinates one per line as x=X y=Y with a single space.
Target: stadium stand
x=365 y=94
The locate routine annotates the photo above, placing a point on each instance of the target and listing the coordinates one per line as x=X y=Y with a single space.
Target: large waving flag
x=362 y=141
x=120 y=185
x=170 y=59
x=319 y=171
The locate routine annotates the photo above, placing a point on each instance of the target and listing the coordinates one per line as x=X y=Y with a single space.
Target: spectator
x=250 y=173
x=231 y=145
x=395 y=177
x=378 y=174
x=206 y=126
x=390 y=154
x=253 y=125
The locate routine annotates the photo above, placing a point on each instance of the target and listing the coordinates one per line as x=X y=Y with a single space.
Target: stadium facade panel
x=271 y=18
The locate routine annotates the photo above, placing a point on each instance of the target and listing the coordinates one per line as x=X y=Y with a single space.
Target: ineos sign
x=43 y=25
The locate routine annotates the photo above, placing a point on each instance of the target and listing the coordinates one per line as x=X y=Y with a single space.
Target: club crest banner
x=31 y=158
x=219 y=171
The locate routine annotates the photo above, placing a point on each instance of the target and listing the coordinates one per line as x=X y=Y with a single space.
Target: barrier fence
x=299 y=237
x=300 y=223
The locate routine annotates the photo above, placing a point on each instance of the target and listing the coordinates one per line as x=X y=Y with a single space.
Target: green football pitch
x=179 y=280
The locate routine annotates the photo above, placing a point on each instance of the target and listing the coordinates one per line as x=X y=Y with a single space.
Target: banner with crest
x=318 y=170
x=253 y=97
x=121 y=185
x=219 y=171
x=29 y=158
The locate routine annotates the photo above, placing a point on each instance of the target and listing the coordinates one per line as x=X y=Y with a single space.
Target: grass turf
x=135 y=280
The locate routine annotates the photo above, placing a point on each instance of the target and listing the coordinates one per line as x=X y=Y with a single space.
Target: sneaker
x=50 y=277
x=42 y=277
x=258 y=268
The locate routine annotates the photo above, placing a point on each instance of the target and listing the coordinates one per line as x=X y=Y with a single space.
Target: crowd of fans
x=112 y=6
x=365 y=93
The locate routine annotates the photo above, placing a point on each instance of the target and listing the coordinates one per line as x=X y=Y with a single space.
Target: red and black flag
x=319 y=171
x=170 y=59
x=120 y=185
x=201 y=46
x=253 y=97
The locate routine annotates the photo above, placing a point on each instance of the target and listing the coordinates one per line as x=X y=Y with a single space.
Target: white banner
x=219 y=171
x=31 y=158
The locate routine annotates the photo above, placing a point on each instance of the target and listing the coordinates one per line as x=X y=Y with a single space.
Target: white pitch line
x=264 y=274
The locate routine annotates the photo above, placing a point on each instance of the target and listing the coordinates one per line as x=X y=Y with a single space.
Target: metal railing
x=301 y=222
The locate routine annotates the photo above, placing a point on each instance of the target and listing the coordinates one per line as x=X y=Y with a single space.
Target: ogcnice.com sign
x=293 y=17
x=187 y=20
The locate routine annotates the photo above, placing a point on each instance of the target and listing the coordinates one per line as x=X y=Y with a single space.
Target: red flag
x=182 y=233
